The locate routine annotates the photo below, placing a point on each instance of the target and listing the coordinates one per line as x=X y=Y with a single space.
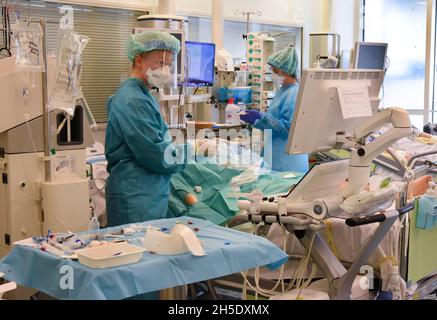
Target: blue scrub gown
x=137 y=140
x=278 y=118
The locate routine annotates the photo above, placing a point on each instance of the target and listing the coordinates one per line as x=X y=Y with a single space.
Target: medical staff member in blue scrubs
x=280 y=114
x=140 y=153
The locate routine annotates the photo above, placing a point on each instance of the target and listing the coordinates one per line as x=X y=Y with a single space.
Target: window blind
x=105 y=61
x=105 y=64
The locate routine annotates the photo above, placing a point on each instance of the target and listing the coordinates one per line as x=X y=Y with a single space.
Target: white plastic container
x=395 y=284
x=112 y=255
x=232 y=114
x=94 y=225
x=65 y=205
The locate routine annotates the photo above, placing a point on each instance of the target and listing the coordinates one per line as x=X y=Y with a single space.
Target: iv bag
x=29 y=46
x=66 y=88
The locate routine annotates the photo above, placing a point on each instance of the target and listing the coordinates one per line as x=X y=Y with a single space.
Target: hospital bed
x=220 y=209
x=417 y=256
x=269 y=184
x=350 y=133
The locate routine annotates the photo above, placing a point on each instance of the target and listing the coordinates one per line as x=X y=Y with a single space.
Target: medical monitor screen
x=371 y=55
x=200 y=59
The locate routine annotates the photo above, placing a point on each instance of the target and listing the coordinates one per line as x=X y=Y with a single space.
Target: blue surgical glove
x=251 y=116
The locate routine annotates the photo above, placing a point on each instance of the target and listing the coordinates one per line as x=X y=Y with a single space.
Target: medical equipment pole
x=429 y=63
x=46 y=120
x=247 y=15
x=217 y=23
x=248 y=23
x=167 y=7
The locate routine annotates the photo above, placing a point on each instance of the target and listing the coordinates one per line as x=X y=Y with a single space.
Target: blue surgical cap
x=285 y=60
x=150 y=41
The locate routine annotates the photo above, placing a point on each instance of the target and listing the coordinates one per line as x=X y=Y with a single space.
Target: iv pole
x=247 y=14
x=46 y=116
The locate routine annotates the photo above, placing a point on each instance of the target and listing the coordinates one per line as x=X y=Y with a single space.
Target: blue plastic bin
x=243 y=95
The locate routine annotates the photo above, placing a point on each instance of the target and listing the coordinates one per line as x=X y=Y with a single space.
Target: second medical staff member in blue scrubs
x=280 y=114
x=139 y=148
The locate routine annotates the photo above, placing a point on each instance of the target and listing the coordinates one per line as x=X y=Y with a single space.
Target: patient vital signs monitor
x=369 y=55
x=200 y=64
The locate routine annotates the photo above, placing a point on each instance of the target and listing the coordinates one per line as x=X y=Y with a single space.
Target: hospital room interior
x=218 y=150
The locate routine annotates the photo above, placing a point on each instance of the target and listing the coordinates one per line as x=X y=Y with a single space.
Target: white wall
x=313 y=14
x=308 y=13
x=345 y=21
x=273 y=10
x=127 y=4
x=279 y=11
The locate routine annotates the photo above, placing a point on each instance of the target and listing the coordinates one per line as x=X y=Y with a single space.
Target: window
x=402 y=24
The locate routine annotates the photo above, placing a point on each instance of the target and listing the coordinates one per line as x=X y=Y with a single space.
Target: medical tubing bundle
x=299 y=272
x=69 y=67
x=184 y=86
x=281 y=277
x=257 y=288
x=27 y=119
x=101 y=189
x=29 y=132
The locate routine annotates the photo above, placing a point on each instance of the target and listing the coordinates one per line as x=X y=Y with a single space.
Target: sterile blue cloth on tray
x=228 y=251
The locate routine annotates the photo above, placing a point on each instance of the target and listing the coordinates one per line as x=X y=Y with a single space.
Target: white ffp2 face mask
x=159 y=77
x=277 y=79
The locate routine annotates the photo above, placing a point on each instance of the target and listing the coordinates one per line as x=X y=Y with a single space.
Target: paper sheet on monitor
x=355 y=102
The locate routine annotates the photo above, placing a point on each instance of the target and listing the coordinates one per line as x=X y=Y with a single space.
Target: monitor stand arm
x=341 y=280
x=363 y=156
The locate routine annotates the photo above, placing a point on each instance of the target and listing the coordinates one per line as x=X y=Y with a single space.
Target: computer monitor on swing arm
x=319 y=118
